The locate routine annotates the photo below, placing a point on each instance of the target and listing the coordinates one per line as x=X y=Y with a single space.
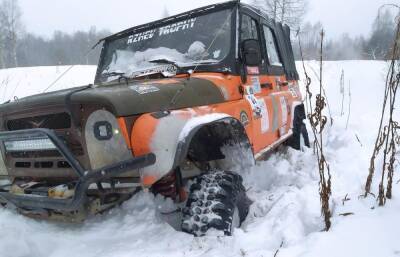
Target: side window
x=248 y=28
x=272 y=50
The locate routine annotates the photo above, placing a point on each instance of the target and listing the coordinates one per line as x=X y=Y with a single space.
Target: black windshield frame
x=226 y=65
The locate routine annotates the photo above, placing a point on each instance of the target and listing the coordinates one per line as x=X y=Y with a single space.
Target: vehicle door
x=250 y=30
x=281 y=97
x=263 y=84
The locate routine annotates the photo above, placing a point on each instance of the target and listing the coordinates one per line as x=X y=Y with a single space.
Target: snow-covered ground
x=286 y=209
x=20 y=82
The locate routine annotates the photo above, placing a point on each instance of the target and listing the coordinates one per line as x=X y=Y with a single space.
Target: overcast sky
x=45 y=16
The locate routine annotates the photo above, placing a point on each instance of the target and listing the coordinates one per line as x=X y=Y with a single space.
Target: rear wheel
x=299 y=139
x=217 y=200
x=304 y=139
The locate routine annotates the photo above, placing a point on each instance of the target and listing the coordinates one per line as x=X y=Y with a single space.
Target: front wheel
x=217 y=200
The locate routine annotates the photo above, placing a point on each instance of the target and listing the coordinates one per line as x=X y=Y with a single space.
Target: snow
x=130 y=62
x=196 y=50
x=21 y=82
x=286 y=208
x=197 y=121
x=127 y=61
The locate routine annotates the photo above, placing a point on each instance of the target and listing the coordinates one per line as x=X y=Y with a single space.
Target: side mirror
x=251 y=52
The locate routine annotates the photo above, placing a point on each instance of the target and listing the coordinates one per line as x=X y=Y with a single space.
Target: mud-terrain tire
x=216 y=200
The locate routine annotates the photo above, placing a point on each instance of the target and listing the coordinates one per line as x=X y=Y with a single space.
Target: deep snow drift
x=284 y=189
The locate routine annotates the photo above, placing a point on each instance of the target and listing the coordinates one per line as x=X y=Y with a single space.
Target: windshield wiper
x=112 y=74
x=121 y=75
x=204 y=62
x=166 y=61
x=179 y=68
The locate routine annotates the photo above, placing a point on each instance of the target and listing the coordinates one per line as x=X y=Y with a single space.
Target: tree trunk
x=14 y=50
x=2 y=65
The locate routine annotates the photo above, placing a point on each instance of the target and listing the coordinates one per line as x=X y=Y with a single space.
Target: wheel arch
x=235 y=133
x=170 y=138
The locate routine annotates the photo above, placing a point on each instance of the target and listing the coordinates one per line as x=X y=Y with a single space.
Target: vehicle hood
x=125 y=99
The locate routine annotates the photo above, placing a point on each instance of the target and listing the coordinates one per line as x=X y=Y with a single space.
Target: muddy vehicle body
x=195 y=97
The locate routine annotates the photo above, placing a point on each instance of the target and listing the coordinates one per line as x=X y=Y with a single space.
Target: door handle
x=266 y=85
x=284 y=83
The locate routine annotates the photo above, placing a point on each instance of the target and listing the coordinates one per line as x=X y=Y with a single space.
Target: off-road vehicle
x=179 y=107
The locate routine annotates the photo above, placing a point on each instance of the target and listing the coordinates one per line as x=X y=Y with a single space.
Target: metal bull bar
x=86 y=178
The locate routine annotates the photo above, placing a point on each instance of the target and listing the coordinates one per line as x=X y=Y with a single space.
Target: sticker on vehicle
x=141 y=36
x=255 y=81
x=264 y=116
x=255 y=106
x=179 y=26
x=275 y=110
x=284 y=110
x=144 y=89
x=253 y=70
x=249 y=90
x=244 y=118
x=166 y=30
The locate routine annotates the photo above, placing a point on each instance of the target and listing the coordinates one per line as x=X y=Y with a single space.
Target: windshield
x=202 y=39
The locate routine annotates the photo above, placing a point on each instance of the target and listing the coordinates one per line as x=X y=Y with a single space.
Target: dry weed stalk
x=388 y=133
x=349 y=108
x=342 y=92
x=318 y=122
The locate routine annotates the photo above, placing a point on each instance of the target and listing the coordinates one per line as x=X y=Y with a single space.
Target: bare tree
x=61 y=49
x=309 y=35
x=381 y=41
x=2 y=46
x=11 y=29
x=388 y=134
x=290 y=12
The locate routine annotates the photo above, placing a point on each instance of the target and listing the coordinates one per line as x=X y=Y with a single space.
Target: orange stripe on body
x=124 y=131
x=148 y=181
x=144 y=126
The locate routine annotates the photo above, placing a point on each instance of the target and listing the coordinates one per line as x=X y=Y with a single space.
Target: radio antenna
x=72 y=66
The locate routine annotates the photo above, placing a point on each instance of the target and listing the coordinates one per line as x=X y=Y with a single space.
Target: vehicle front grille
x=76 y=150
x=45 y=163
x=50 y=121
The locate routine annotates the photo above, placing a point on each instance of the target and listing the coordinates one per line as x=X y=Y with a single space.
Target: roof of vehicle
x=194 y=12
x=283 y=30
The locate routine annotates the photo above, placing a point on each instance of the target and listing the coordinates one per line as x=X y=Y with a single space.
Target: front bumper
x=85 y=178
